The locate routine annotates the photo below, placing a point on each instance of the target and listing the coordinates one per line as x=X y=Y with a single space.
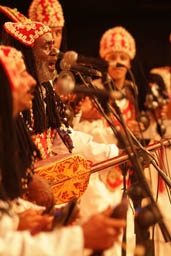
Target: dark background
x=149 y=21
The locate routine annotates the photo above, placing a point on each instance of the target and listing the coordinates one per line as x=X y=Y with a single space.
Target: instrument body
x=69 y=174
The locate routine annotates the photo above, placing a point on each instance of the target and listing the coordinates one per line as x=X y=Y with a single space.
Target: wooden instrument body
x=69 y=174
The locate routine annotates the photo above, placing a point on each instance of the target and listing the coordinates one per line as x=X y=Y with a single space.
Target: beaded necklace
x=44 y=140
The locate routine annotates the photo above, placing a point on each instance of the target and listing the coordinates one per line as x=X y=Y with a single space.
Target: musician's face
x=24 y=88
x=45 y=55
x=57 y=36
x=113 y=58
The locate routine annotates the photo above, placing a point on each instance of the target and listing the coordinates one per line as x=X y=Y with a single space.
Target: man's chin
x=49 y=76
x=52 y=75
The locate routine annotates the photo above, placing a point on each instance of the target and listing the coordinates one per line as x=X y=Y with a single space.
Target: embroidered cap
x=49 y=12
x=9 y=58
x=117 y=39
x=28 y=32
x=13 y=14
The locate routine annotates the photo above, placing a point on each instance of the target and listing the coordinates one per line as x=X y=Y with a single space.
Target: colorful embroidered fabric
x=28 y=32
x=9 y=58
x=68 y=176
x=49 y=12
x=13 y=14
x=44 y=142
x=117 y=39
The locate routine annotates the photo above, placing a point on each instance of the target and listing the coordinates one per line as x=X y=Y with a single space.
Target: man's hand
x=40 y=192
x=100 y=231
x=34 y=221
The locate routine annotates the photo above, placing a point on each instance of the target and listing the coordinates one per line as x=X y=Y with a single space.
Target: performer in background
x=117 y=46
x=157 y=103
x=49 y=13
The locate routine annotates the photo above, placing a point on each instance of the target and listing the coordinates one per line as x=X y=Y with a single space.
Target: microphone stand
x=121 y=140
x=140 y=175
x=146 y=152
x=134 y=91
x=156 y=217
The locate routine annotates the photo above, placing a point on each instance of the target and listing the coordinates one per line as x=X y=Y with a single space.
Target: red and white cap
x=28 y=32
x=117 y=39
x=13 y=14
x=49 y=12
x=10 y=58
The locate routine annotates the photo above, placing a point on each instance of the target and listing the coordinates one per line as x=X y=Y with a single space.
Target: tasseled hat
x=13 y=14
x=27 y=33
x=49 y=12
x=9 y=58
x=117 y=39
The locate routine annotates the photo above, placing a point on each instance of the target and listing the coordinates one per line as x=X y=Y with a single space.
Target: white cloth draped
x=62 y=241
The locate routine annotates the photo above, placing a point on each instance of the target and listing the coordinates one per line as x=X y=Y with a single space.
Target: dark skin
x=100 y=231
x=45 y=55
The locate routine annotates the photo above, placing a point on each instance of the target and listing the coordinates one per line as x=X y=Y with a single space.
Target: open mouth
x=51 y=66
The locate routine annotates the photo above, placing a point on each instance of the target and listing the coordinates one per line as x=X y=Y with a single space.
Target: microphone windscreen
x=65 y=82
x=70 y=57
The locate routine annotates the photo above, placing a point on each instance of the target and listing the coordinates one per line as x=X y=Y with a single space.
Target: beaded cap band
x=13 y=14
x=117 y=39
x=9 y=58
x=49 y=12
x=27 y=33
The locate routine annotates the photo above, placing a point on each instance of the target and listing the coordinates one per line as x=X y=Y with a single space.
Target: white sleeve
x=96 y=197
x=96 y=152
x=61 y=242
x=19 y=205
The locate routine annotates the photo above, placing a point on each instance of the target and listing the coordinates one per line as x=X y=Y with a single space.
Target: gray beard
x=44 y=75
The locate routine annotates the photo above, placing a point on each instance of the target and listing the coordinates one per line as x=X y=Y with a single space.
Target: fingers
x=44 y=224
x=115 y=223
x=30 y=218
x=100 y=231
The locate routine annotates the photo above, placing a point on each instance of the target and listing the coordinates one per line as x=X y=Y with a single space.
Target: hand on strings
x=100 y=232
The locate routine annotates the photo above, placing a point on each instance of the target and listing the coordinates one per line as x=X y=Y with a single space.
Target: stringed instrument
x=69 y=175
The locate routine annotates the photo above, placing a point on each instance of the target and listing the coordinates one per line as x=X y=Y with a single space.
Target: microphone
x=79 y=68
x=72 y=58
x=66 y=85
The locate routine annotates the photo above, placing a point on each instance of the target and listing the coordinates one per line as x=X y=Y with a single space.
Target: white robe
x=98 y=197
x=61 y=242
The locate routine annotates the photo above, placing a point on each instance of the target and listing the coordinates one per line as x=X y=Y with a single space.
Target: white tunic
x=62 y=241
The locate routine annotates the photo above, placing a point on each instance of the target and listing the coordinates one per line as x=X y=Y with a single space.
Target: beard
x=44 y=75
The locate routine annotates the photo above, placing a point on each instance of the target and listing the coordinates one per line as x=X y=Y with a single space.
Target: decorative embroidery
x=113 y=178
x=69 y=168
x=27 y=32
x=44 y=142
x=9 y=58
x=49 y=12
x=13 y=14
x=117 y=39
